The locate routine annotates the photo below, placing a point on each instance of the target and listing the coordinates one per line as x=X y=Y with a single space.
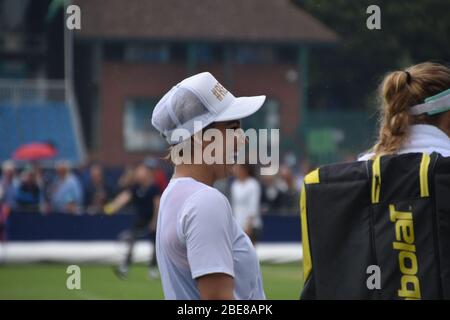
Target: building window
x=287 y=54
x=254 y=54
x=178 y=53
x=139 y=134
x=208 y=53
x=147 y=53
x=113 y=51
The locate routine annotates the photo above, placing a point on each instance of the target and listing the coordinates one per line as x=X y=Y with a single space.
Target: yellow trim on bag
x=424 y=164
x=376 y=183
x=311 y=178
x=307 y=264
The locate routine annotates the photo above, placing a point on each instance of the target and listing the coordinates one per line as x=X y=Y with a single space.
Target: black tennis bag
x=387 y=218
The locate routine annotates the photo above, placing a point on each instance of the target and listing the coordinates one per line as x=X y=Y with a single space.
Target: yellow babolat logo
x=219 y=91
x=407 y=259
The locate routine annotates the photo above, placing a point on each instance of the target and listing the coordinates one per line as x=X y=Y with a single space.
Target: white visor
x=433 y=105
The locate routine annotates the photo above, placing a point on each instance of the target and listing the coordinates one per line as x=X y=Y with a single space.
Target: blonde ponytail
x=401 y=90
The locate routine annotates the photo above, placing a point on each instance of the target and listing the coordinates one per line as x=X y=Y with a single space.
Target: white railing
x=41 y=90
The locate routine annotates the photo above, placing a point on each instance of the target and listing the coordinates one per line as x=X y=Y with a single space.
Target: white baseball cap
x=202 y=100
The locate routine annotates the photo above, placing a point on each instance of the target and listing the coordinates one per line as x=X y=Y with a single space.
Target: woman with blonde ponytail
x=379 y=208
x=415 y=111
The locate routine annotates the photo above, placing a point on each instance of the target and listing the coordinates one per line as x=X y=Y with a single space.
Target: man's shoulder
x=207 y=193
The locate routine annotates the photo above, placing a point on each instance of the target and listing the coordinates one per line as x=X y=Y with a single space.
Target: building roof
x=201 y=20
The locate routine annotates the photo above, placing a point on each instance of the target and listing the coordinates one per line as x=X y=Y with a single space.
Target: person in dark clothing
x=144 y=195
x=97 y=191
x=28 y=194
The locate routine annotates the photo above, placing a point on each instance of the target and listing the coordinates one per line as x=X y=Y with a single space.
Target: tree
x=346 y=76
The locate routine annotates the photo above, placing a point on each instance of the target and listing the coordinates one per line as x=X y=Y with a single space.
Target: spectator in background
x=304 y=168
x=280 y=194
x=245 y=199
x=160 y=177
x=97 y=192
x=289 y=196
x=271 y=194
x=66 y=192
x=8 y=185
x=8 y=188
x=126 y=179
x=29 y=194
x=145 y=195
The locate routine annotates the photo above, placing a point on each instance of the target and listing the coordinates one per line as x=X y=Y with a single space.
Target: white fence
x=113 y=252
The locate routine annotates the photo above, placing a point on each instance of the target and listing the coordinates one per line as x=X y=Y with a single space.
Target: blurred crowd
x=88 y=189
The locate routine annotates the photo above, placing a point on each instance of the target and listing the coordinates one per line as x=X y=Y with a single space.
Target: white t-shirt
x=245 y=198
x=198 y=235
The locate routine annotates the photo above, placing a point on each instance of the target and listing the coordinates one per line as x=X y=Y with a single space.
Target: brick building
x=129 y=53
